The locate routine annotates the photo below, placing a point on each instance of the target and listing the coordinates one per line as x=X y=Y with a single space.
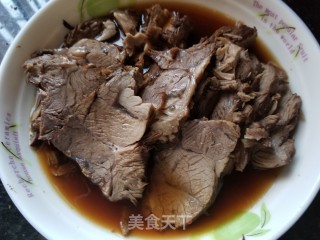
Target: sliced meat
x=248 y=67
x=161 y=30
x=64 y=85
x=164 y=26
x=97 y=53
x=232 y=104
x=281 y=148
x=186 y=177
x=176 y=31
x=271 y=79
x=213 y=138
x=268 y=155
x=108 y=32
x=261 y=130
x=172 y=91
x=92 y=114
x=268 y=143
x=227 y=57
x=289 y=108
x=205 y=98
x=277 y=149
x=226 y=107
x=241 y=156
x=155 y=18
x=66 y=79
x=133 y=44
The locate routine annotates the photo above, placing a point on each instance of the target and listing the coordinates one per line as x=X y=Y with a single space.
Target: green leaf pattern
x=98 y=8
x=244 y=226
x=237 y=227
x=265 y=215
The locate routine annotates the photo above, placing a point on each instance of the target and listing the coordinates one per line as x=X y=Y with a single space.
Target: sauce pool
x=240 y=191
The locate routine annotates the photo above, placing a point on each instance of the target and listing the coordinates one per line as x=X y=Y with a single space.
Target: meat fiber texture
x=91 y=113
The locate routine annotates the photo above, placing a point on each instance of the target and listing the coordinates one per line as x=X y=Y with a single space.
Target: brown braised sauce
x=239 y=192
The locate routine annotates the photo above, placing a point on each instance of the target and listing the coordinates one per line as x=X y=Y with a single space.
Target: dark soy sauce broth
x=240 y=191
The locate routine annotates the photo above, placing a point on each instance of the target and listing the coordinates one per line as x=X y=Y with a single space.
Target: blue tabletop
x=15 y=13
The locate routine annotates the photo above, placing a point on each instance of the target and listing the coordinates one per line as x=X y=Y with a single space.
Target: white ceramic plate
x=296 y=50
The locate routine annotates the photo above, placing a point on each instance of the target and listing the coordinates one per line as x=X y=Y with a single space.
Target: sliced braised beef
x=91 y=114
x=270 y=82
x=186 y=176
x=105 y=105
x=277 y=148
x=173 y=89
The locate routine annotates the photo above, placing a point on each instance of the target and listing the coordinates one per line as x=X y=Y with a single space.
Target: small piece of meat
x=99 y=54
x=162 y=29
x=176 y=30
x=226 y=107
x=133 y=43
x=87 y=29
x=289 y=108
x=163 y=26
x=240 y=34
x=261 y=130
x=243 y=116
x=155 y=18
x=270 y=80
x=256 y=133
x=227 y=57
x=205 y=99
x=264 y=157
x=108 y=32
x=278 y=149
x=181 y=72
x=127 y=21
x=186 y=177
x=248 y=67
